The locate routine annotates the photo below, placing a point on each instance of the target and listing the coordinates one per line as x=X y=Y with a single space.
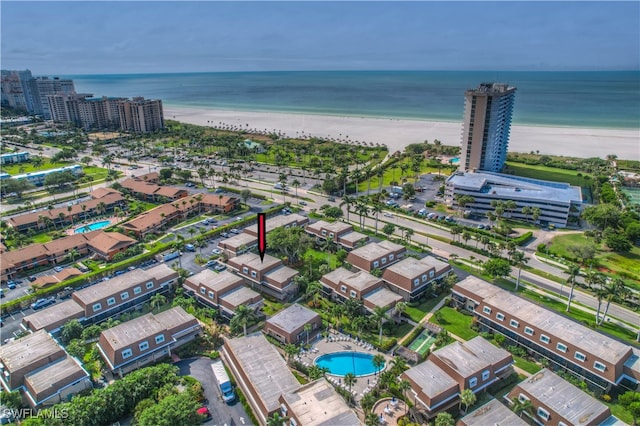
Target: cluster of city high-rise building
x=56 y=99
x=485 y=140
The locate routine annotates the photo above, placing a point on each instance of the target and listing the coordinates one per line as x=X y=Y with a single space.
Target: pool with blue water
x=341 y=363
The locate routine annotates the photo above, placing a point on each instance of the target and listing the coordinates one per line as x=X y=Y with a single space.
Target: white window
x=599 y=366
x=514 y=323
x=143 y=346
x=473 y=382
x=211 y=295
x=159 y=339
x=353 y=293
x=544 y=339
x=486 y=310
x=580 y=356
x=416 y=281
x=383 y=260
x=431 y=274
x=111 y=301
x=136 y=290
x=561 y=347
x=343 y=288
x=424 y=278
x=522 y=397
x=376 y=264
x=125 y=295
x=245 y=269
x=253 y=274
x=149 y=285
x=499 y=316
x=324 y=232
x=97 y=307
x=126 y=353
x=485 y=375
x=562 y=424
x=391 y=257
x=203 y=290
x=331 y=234
x=528 y=330
x=543 y=413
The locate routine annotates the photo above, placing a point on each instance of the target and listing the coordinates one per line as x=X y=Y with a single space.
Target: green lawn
x=416 y=313
x=455 y=323
x=528 y=366
x=271 y=308
x=323 y=257
x=16 y=169
x=547 y=173
x=402 y=331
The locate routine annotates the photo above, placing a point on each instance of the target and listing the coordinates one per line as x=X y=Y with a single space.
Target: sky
x=79 y=37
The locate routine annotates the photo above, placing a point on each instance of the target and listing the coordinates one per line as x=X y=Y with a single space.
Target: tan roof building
x=339 y=232
x=270 y=275
x=146 y=339
x=285 y=221
x=287 y=326
x=108 y=244
x=491 y=413
x=412 y=277
x=54 y=317
x=376 y=255
x=49 y=280
x=238 y=244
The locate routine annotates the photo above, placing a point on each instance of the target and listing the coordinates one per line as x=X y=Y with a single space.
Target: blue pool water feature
x=341 y=363
x=455 y=160
x=92 y=227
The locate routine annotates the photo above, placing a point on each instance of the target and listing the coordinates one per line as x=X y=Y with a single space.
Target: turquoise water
x=580 y=99
x=92 y=227
x=455 y=160
x=341 y=363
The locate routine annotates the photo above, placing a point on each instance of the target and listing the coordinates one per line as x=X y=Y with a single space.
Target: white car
x=388 y=215
x=216 y=251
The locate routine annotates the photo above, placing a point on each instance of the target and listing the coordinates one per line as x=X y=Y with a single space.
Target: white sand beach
x=398 y=133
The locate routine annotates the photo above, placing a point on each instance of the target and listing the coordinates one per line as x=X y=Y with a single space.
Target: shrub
x=541 y=247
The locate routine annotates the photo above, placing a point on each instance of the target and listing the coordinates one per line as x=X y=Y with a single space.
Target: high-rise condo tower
x=487 y=120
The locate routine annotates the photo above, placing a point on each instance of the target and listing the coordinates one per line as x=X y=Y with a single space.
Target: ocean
x=601 y=99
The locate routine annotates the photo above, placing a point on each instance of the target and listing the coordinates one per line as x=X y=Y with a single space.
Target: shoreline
x=397 y=133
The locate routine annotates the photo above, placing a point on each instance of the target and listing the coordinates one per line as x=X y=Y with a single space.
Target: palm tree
x=521 y=406
x=363 y=210
x=350 y=380
x=444 y=419
x=380 y=315
x=467 y=397
x=243 y=316
x=404 y=386
x=572 y=271
x=157 y=300
x=408 y=233
x=276 y=420
x=347 y=201
x=371 y=419
x=615 y=287
x=519 y=260
x=313 y=291
x=72 y=255
x=378 y=362
x=307 y=329
x=400 y=308
x=296 y=185
x=291 y=351
x=376 y=209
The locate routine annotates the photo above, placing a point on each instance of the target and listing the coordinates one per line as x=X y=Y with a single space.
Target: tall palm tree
x=521 y=406
x=404 y=386
x=378 y=362
x=291 y=351
x=156 y=301
x=519 y=260
x=347 y=201
x=73 y=255
x=380 y=315
x=615 y=287
x=376 y=209
x=363 y=210
x=408 y=233
x=350 y=380
x=243 y=316
x=307 y=329
x=296 y=185
x=572 y=271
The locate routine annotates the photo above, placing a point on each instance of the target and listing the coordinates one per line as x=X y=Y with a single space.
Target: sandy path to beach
x=398 y=133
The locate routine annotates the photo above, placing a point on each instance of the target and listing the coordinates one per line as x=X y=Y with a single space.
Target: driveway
x=221 y=413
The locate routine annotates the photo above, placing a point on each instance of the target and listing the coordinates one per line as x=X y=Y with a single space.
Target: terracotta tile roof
x=108 y=241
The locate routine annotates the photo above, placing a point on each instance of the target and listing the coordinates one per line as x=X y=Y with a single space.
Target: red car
x=204 y=412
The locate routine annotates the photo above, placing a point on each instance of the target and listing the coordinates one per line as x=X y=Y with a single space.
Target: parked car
x=331 y=199
x=220 y=267
x=11 y=285
x=211 y=220
x=216 y=251
x=204 y=412
x=189 y=247
x=42 y=303
x=210 y=263
x=235 y=231
x=225 y=235
x=481 y=226
x=387 y=214
x=303 y=203
x=58 y=268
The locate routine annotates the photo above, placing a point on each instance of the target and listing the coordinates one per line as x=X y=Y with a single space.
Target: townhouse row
x=103 y=244
x=596 y=358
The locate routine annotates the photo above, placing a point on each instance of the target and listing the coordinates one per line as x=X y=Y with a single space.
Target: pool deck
x=338 y=342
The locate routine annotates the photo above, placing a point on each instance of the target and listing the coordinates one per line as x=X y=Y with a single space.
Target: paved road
x=221 y=413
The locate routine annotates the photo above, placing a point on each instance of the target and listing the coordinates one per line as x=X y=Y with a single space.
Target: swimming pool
x=341 y=363
x=455 y=160
x=92 y=227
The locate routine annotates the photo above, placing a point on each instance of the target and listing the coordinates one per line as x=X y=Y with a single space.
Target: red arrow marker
x=262 y=235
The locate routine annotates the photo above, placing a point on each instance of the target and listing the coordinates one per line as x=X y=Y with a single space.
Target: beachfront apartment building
x=599 y=360
x=57 y=252
x=339 y=232
x=103 y=201
x=38 y=367
x=146 y=339
x=224 y=291
x=411 y=277
x=288 y=325
x=436 y=384
x=492 y=413
x=557 y=402
x=260 y=372
x=85 y=111
x=14 y=157
x=343 y=284
x=559 y=203
x=486 y=125
x=141 y=115
x=376 y=255
x=269 y=275
x=317 y=404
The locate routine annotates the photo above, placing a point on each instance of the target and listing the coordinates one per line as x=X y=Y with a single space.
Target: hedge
x=414 y=333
